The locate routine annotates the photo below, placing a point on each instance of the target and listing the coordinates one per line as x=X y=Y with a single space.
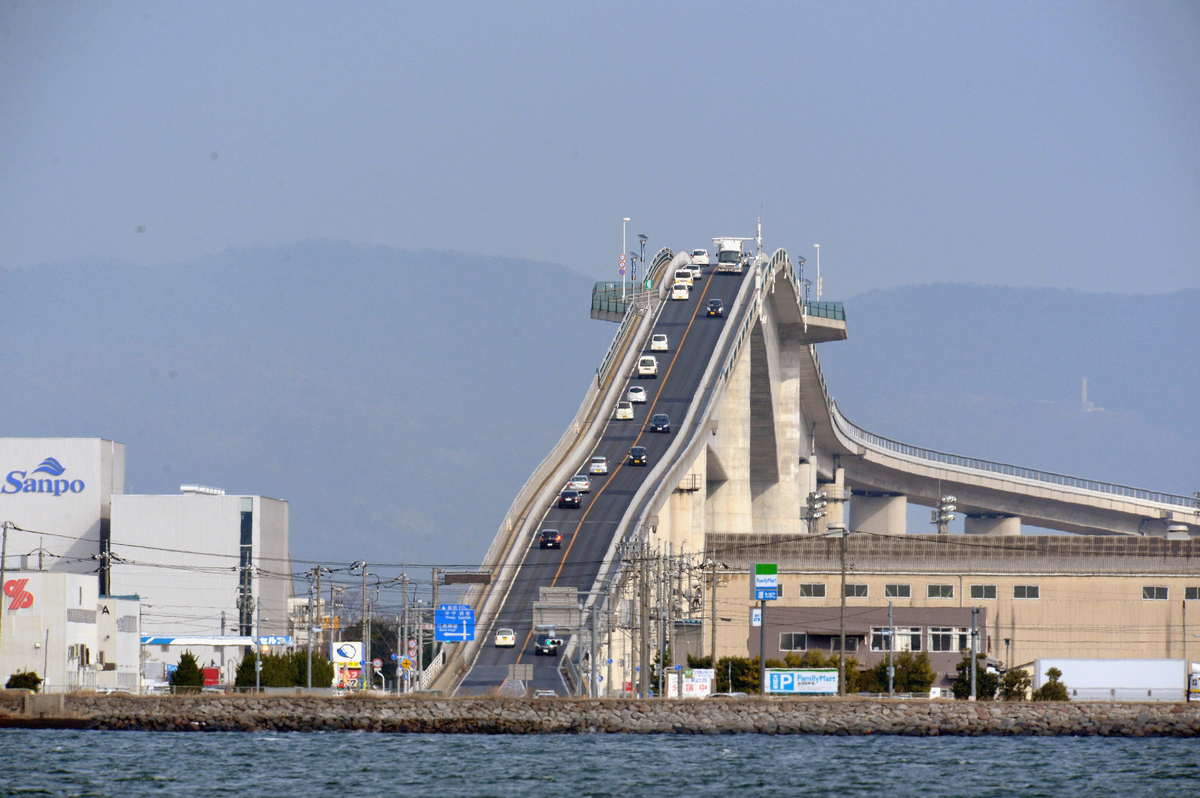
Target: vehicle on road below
x=550 y=539
x=545 y=694
x=648 y=366
x=637 y=456
x=624 y=410
x=700 y=257
x=569 y=498
x=546 y=644
x=658 y=343
x=505 y=638
x=716 y=307
x=636 y=394
x=581 y=483
x=599 y=465
x=660 y=422
x=680 y=291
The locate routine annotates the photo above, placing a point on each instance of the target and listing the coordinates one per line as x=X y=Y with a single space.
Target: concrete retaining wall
x=571 y=716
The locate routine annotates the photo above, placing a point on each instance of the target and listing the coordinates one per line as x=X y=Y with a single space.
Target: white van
x=647 y=366
x=658 y=343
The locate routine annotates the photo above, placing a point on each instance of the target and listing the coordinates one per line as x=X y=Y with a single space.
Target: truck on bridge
x=730 y=258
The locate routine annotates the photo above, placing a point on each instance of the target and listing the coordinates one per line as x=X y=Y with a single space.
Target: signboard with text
x=807 y=681
x=766 y=582
x=454 y=623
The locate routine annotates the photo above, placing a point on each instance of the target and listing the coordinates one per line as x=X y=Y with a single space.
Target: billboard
x=802 y=681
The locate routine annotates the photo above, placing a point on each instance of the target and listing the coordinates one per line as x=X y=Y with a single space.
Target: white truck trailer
x=730 y=258
x=1117 y=679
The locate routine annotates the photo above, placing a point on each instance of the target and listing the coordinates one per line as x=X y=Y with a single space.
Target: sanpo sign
x=29 y=482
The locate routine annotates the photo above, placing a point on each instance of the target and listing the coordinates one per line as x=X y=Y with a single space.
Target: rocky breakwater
x=574 y=716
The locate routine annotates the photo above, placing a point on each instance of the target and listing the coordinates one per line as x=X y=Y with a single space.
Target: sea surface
x=335 y=765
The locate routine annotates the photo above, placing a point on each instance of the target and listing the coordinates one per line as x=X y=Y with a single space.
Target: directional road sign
x=454 y=623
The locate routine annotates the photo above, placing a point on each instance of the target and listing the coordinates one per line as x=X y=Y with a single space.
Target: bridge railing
x=857 y=433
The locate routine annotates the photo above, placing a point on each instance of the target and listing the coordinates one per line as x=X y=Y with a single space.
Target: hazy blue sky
x=1041 y=144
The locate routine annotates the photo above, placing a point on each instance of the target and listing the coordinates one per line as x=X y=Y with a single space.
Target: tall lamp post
x=642 y=241
x=624 y=221
x=818 y=246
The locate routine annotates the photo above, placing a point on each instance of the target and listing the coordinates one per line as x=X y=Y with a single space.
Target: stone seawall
x=575 y=716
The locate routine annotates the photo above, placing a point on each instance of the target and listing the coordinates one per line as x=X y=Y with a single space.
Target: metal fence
x=826 y=310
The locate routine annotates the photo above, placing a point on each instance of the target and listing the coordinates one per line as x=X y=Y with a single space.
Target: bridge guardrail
x=857 y=433
x=583 y=426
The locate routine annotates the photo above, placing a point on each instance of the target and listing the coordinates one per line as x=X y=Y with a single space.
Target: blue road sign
x=766 y=594
x=454 y=623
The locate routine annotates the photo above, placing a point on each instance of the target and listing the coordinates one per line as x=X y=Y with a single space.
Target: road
x=587 y=532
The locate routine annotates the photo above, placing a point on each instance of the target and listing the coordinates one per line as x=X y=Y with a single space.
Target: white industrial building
x=202 y=563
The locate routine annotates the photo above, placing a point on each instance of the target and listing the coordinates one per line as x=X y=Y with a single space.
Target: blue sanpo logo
x=20 y=482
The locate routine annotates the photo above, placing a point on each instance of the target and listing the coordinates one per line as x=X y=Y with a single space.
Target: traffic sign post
x=454 y=623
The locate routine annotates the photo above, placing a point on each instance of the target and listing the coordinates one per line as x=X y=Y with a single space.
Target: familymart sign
x=766 y=582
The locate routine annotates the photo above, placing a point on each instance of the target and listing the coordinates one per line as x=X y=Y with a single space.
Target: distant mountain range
x=398 y=400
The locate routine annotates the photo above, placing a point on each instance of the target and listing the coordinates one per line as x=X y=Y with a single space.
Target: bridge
x=754 y=436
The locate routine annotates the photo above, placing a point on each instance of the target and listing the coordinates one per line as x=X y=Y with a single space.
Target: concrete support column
x=879 y=513
x=992 y=525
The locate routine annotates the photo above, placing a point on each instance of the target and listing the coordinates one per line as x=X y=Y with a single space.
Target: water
x=89 y=763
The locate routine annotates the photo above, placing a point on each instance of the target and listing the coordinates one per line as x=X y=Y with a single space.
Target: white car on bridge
x=599 y=465
x=700 y=257
x=658 y=343
x=647 y=367
x=680 y=291
x=636 y=394
x=624 y=411
x=684 y=275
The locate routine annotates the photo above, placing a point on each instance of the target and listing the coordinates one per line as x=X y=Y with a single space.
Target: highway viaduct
x=754 y=434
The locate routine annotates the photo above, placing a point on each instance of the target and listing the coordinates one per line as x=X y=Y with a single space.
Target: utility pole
x=944 y=514
x=595 y=669
x=712 y=643
x=644 y=609
x=309 y=636
x=579 y=690
x=762 y=648
x=891 y=645
x=974 y=647
x=3 y=560
x=258 y=646
x=608 y=602
x=420 y=646
x=403 y=644
x=842 y=621
x=660 y=572
x=366 y=634
x=222 y=635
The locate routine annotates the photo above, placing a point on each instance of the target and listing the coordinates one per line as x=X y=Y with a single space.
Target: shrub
x=187 y=677
x=914 y=673
x=985 y=682
x=1014 y=685
x=1053 y=690
x=24 y=680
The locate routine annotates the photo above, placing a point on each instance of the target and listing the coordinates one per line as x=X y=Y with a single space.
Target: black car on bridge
x=551 y=539
x=660 y=422
x=637 y=456
x=716 y=307
x=569 y=498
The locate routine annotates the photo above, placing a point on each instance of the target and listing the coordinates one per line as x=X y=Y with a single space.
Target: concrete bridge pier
x=879 y=513
x=1006 y=525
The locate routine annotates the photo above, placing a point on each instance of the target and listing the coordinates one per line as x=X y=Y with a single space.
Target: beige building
x=1040 y=596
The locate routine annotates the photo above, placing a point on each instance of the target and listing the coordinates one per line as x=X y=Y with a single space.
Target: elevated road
x=588 y=532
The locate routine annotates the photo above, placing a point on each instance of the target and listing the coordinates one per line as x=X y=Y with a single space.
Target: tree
x=187 y=677
x=278 y=670
x=24 y=680
x=737 y=674
x=322 y=669
x=1053 y=690
x=914 y=673
x=1014 y=685
x=985 y=681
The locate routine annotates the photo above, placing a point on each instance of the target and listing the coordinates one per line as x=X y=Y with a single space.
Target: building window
x=1191 y=594
x=793 y=641
x=941 y=638
x=897 y=591
x=1154 y=593
x=1026 y=591
x=856 y=591
x=779 y=590
x=851 y=643
x=815 y=590
x=983 y=591
x=911 y=635
x=881 y=638
x=941 y=591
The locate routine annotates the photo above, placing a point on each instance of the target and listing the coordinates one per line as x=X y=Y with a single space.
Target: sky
x=1027 y=144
